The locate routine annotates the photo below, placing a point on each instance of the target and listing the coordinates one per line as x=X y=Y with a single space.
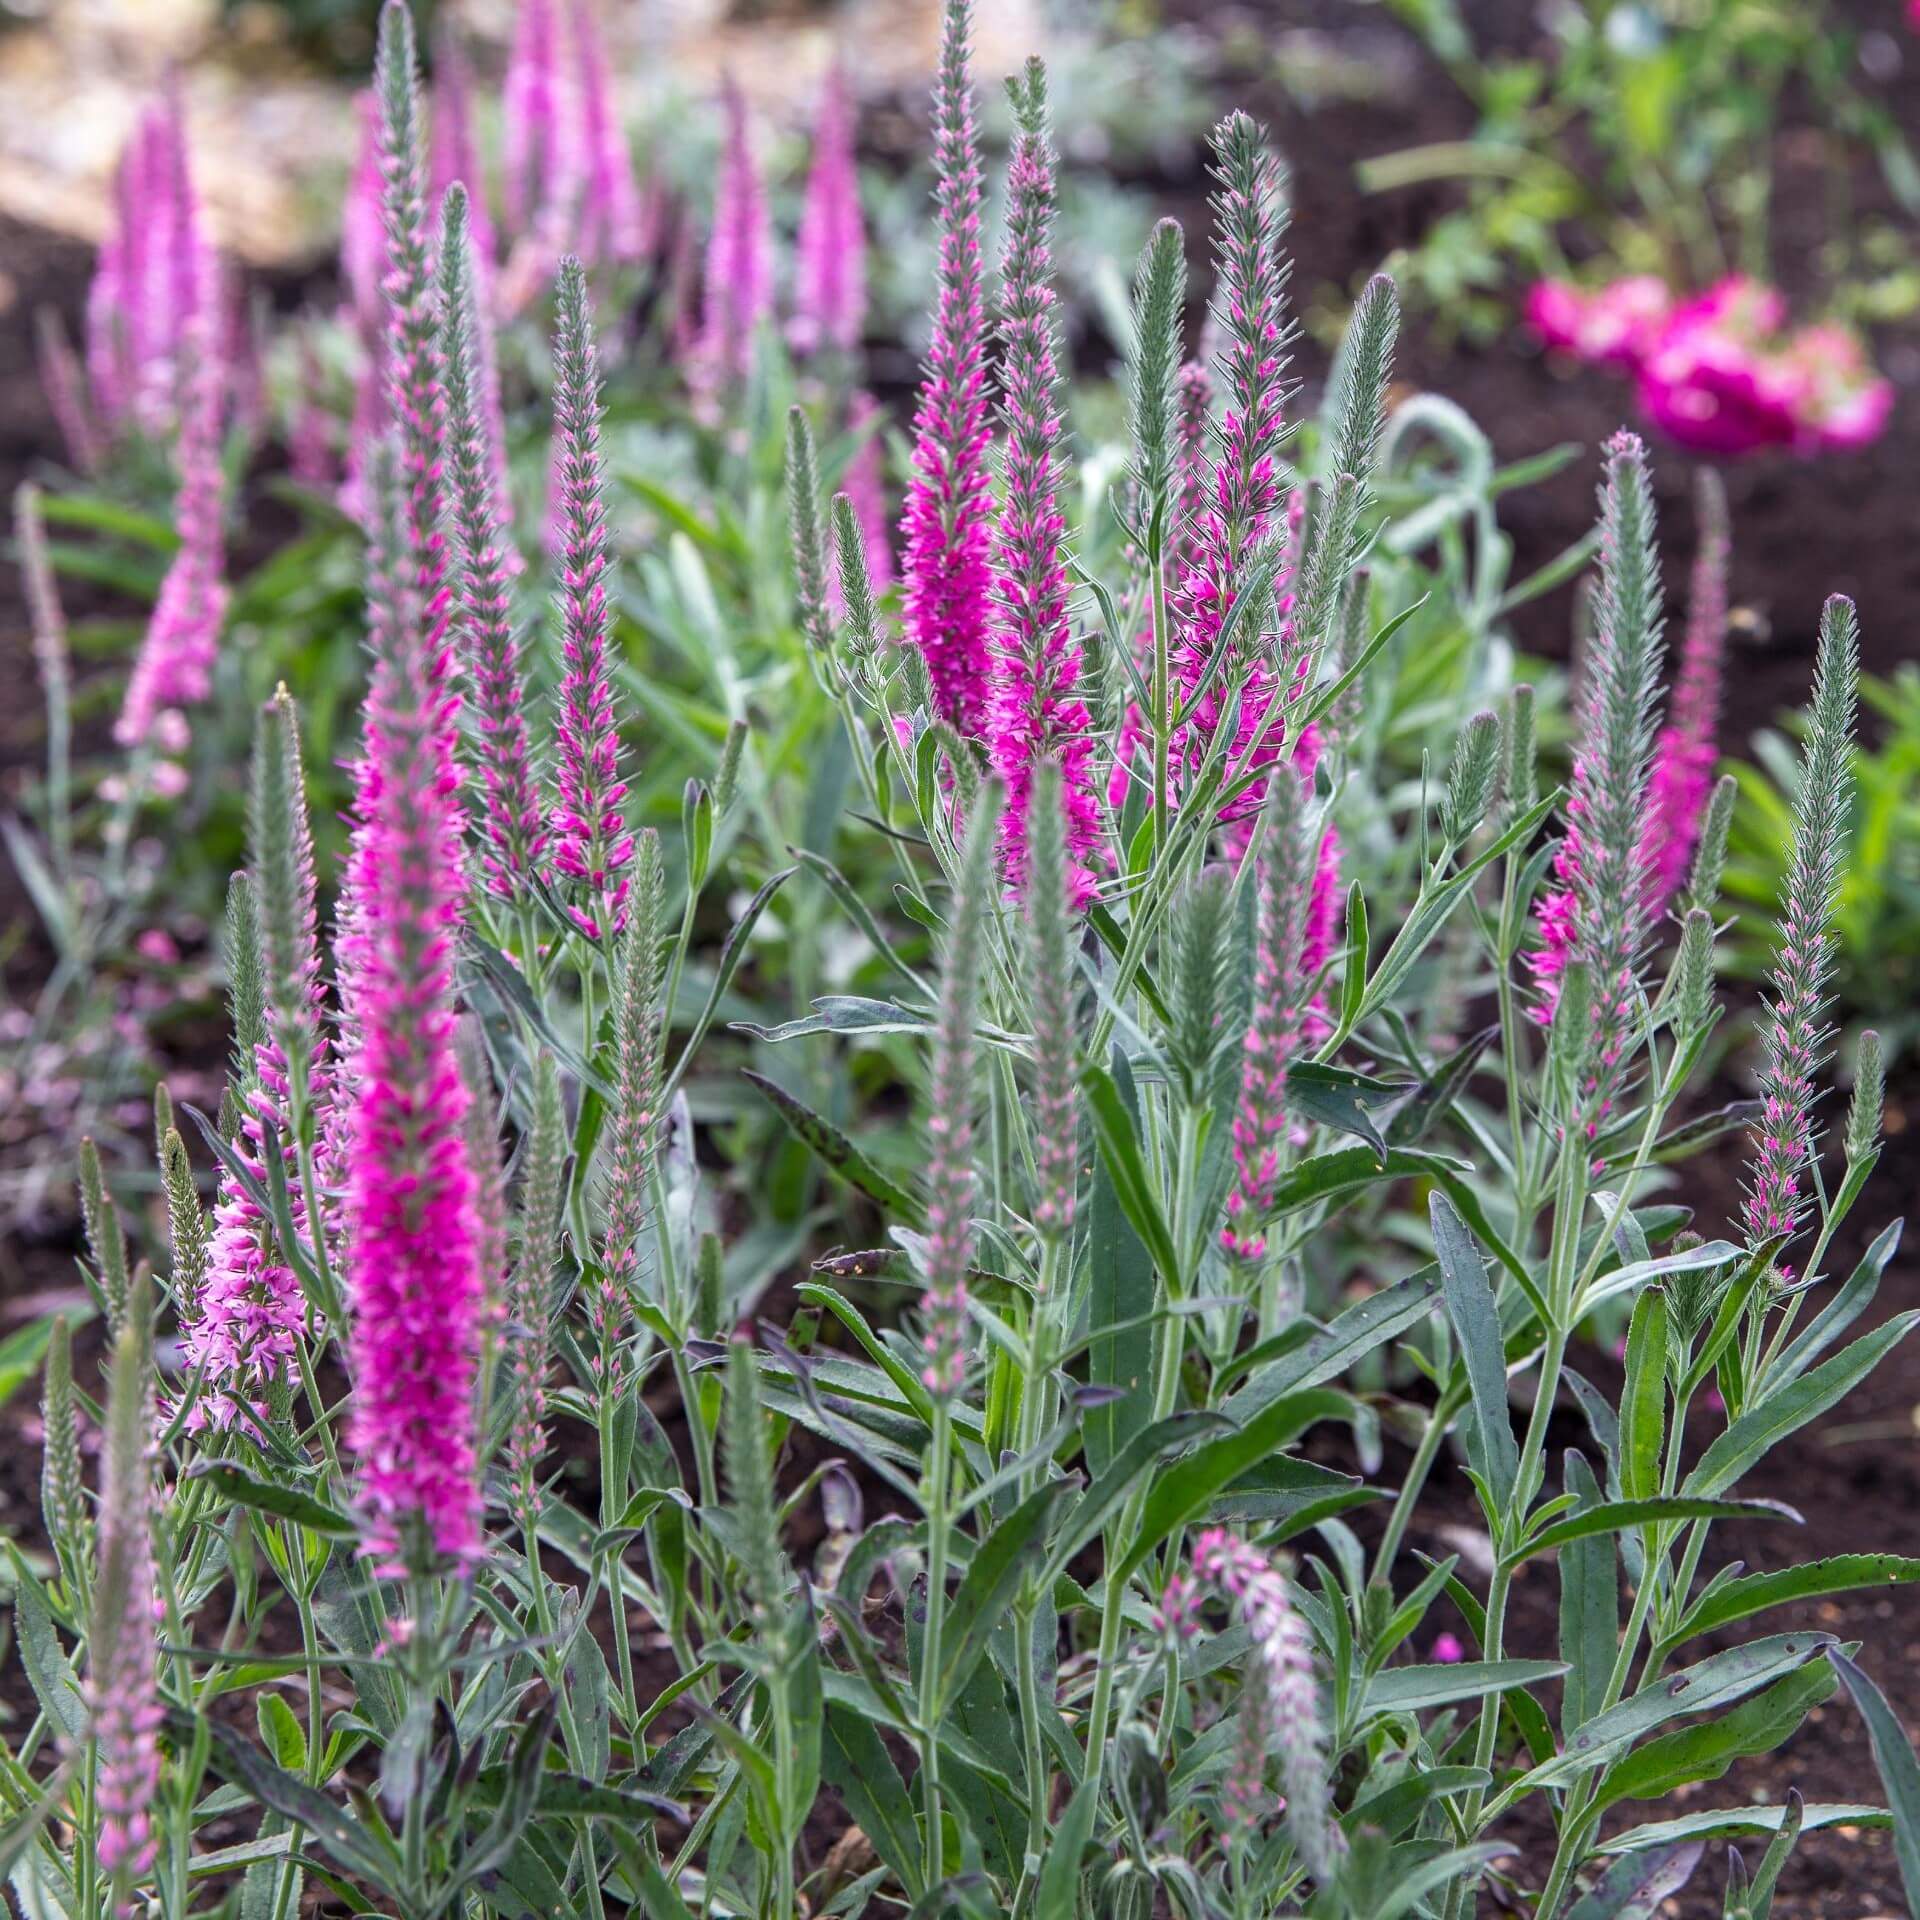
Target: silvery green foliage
x=1056 y=1583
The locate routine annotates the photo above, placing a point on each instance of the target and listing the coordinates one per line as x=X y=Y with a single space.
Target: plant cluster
x=473 y=1533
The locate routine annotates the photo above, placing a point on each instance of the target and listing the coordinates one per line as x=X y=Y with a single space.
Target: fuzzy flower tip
x=947 y=529
x=737 y=292
x=1037 y=711
x=1290 y=1716
x=1794 y=1030
x=1683 y=754
x=1274 y=1032
x=592 y=847
x=1596 y=910
x=1246 y=494
x=174 y=668
x=830 y=291
x=414 y=370
x=411 y=1222
x=123 y=1683
x=155 y=278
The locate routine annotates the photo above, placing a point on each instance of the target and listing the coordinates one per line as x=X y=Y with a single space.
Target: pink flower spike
x=737 y=292
x=174 y=668
x=1037 y=711
x=543 y=160
x=946 y=528
x=410 y=1221
x=454 y=153
x=363 y=224
x=1683 y=755
x=1249 y=217
x=612 y=223
x=830 y=295
x=592 y=847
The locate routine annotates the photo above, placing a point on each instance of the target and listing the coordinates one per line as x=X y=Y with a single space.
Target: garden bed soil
x=1801 y=532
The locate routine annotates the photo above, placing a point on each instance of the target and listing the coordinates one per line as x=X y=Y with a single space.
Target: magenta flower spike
x=1249 y=219
x=63 y=382
x=452 y=149
x=123 y=1657
x=543 y=159
x=1193 y=466
x=1683 y=754
x=947 y=527
x=410 y=1201
x=155 y=271
x=1037 y=712
x=830 y=290
x=592 y=847
x=737 y=292
x=612 y=222
x=1274 y=1032
x=1282 y=1646
x=174 y=668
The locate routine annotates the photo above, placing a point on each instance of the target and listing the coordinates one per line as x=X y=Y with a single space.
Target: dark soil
x=1802 y=531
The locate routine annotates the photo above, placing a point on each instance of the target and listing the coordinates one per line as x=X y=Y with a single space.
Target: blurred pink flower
x=1611 y=326
x=1447 y=1649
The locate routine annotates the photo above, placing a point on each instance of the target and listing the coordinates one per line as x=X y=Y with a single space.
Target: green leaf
x=732 y=951
x=833 y=1149
x=1899 y=1770
x=1633 y=1887
x=1717 y=1822
x=1414 y=1689
x=1120 y=1155
x=1753 y=1593
x=49 y=1670
x=1121 y=1297
x=1476 y=1322
x=282 y=1733
x=1343 y=1341
x=999 y=1565
x=1785 y=1410
x=1756 y=1725
x=1714 y=1682
x=1846 y=1306
x=1059 y=1892
x=1339 y=1098
x=1589 y=1605
x=1617 y=1516
x=1643 y=1404
x=1184 y=1490
x=1091 y=1512
x=857 y=1764
x=353 y=1845
x=284 y=1503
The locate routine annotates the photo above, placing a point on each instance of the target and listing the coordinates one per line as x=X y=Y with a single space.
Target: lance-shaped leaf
x=1899 y=1769
x=833 y=1149
x=1634 y=1886
x=1476 y=1322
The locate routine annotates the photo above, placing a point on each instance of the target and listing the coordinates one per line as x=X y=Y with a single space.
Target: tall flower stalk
x=830 y=287
x=737 y=293
x=174 y=669
x=411 y=1222
x=1794 y=1030
x=123 y=1660
x=1247 y=488
x=1275 y=1030
x=1683 y=755
x=1596 y=911
x=1037 y=711
x=947 y=528
x=592 y=847
x=510 y=810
